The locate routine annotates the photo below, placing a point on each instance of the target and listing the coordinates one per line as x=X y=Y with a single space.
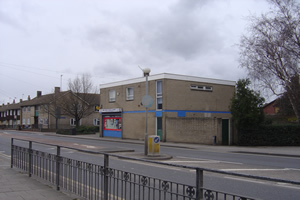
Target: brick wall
x=194 y=130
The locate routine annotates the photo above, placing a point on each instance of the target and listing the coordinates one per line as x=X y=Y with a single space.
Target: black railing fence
x=97 y=182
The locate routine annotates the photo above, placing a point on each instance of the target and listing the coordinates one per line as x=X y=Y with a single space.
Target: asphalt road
x=261 y=165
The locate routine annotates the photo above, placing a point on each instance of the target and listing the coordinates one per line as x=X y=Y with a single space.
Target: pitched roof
x=44 y=99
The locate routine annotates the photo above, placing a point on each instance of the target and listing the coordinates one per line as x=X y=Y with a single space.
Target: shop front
x=111 y=122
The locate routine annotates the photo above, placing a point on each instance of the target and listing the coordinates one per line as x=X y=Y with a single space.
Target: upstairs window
x=159 y=95
x=129 y=93
x=112 y=95
x=202 y=88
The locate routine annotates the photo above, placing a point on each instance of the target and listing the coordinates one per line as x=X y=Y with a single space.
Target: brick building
x=185 y=109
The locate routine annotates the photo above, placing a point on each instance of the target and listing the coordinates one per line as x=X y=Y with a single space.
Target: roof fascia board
x=168 y=76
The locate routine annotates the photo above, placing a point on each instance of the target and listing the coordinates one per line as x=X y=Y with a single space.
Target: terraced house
x=46 y=112
x=10 y=115
x=185 y=109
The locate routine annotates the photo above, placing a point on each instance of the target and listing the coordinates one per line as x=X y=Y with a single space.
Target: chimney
x=21 y=100
x=57 y=90
x=14 y=101
x=39 y=93
x=28 y=98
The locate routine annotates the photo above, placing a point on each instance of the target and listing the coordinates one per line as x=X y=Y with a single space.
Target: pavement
x=16 y=185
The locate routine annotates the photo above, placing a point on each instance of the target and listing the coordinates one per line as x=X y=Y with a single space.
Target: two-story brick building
x=10 y=115
x=42 y=112
x=185 y=109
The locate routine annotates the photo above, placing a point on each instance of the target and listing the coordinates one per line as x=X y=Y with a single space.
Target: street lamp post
x=147 y=102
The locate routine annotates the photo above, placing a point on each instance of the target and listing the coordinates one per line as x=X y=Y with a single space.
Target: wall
x=178 y=95
x=193 y=130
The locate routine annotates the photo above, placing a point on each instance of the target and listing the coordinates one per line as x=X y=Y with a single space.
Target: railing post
x=12 y=153
x=57 y=167
x=199 y=184
x=30 y=159
x=106 y=164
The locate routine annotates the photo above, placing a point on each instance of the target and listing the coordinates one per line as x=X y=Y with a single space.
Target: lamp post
x=147 y=102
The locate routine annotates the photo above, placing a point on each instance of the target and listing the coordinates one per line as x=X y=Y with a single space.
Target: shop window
x=112 y=123
x=129 y=93
x=112 y=95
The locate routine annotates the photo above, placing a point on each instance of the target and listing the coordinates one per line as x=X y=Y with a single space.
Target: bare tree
x=271 y=50
x=81 y=100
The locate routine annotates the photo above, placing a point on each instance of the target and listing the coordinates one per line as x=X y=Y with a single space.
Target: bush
x=81 y=130
x=271 y=136
x=87 y=129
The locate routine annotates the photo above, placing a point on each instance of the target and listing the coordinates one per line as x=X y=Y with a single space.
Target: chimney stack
x=28 y=98
x=57 y=90
x=39 y=93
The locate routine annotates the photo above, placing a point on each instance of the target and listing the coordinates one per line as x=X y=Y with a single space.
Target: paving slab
x=17 y=185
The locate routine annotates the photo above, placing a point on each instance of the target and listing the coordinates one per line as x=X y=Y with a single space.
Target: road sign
x=147 y=101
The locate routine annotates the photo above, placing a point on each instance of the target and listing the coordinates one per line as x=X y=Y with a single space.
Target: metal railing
x=97 y=182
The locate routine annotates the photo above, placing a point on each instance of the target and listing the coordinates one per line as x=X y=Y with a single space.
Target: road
x=261 y=165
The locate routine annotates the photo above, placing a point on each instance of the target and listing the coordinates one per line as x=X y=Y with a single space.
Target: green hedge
x=81 y=130
x=271 y=136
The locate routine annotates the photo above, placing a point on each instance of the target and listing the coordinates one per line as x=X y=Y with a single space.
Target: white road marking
x=244 y=180
x=288 y=186
x=87 y=146
x=191 y=161
x=293 y=169
x=254 y=169
x=206 y=161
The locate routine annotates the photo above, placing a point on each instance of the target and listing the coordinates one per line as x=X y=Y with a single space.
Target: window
x=129 y=93
x=159 y=95
x=28 y=108
x=73 y=122
x=28 y=121
x=201 y=88
x=96 y=122
x=112 y=123
x=112 y=95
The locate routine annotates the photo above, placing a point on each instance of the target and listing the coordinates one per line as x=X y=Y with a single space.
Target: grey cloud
x=9 y=21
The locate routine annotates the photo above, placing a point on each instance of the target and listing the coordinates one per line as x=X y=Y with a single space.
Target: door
x=225 y=131
x=159 y=127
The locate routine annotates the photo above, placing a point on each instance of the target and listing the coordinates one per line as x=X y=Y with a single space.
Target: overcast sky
x=40 y=40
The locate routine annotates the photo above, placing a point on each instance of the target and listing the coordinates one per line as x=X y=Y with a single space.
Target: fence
x=97 y=182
